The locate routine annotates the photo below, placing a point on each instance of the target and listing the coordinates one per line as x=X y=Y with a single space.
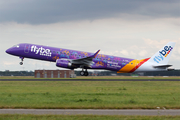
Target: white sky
x=132 y=33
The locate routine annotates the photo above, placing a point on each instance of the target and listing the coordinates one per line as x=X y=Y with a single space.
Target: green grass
x=89 y=94
x=85 y=117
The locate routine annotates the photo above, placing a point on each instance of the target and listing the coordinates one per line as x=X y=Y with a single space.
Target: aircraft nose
x=9 y=51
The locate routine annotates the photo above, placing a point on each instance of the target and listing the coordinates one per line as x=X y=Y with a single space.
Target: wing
x=85 y=62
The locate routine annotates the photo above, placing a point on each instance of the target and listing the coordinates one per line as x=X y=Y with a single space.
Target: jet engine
x=63 y=63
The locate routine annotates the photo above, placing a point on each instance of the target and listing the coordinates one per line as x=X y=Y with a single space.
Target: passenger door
x=26 y=48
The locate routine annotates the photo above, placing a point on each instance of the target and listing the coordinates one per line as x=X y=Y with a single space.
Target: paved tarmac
x=90 y=112
x=89 y=79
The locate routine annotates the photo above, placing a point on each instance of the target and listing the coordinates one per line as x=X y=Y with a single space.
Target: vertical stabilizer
x=163 y=55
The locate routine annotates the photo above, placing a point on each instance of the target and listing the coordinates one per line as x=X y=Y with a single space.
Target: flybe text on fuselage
x=41 y=51
x=162 y=53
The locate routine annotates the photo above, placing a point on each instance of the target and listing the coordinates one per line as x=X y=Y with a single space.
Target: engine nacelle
x=63 y=63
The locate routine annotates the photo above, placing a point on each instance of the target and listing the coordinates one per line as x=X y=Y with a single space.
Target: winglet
x=93 y=56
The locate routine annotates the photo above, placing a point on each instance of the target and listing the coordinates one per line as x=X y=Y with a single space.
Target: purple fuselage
x=51 y=54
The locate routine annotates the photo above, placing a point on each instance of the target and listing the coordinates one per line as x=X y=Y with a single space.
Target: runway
x=89 y=79
x=90 y=112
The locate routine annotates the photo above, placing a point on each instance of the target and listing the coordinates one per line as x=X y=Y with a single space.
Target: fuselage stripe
x=138 y=65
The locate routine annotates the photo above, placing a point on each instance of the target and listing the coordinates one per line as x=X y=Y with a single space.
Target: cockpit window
x=16 y=46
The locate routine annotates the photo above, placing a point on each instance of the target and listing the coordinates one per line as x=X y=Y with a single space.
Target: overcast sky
x=127 y=28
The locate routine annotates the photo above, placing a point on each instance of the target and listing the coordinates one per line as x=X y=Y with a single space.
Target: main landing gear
x=84 y=73
x=22 y=58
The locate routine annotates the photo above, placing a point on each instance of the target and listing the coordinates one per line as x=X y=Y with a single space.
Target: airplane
x=73 y=59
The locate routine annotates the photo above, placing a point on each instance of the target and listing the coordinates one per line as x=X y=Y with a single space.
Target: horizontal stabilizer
x=162 y=66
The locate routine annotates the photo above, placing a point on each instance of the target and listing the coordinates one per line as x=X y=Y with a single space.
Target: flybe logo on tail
x=165 y=53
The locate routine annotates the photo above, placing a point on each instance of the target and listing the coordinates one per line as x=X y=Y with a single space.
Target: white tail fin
x=163 y=55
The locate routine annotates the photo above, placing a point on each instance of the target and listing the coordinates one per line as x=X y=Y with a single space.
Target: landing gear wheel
x=22 y=58
x=86 y=73
x=82 y=73
x=21 y=63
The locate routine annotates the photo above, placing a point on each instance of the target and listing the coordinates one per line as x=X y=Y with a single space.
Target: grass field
x=90 y=94
x=85 y=117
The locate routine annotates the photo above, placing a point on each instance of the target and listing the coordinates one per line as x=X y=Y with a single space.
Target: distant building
x=16 y=73
x=54 y=74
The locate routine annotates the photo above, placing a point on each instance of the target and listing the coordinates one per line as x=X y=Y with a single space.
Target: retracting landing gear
x=84 y=73
x=22 y=58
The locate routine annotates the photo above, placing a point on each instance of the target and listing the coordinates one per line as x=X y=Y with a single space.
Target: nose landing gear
x=22 y=58
x=84 y=73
